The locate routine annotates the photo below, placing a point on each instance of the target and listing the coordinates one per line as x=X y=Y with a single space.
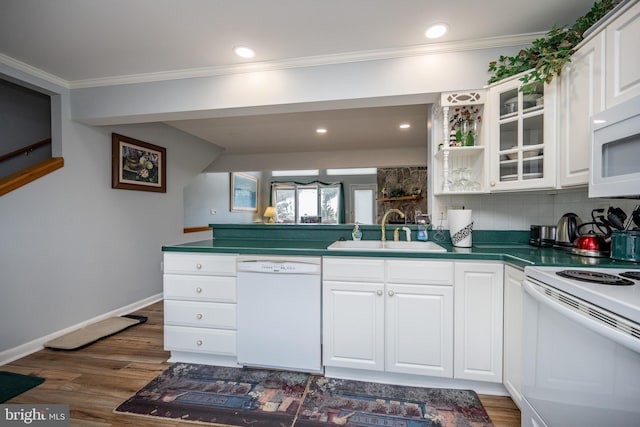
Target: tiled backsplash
x=517 y=211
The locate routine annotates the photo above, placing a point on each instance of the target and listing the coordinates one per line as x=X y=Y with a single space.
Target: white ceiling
x=87 y=42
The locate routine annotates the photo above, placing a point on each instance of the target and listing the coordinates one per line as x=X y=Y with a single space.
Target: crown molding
x=33 y=71
x=309 y=61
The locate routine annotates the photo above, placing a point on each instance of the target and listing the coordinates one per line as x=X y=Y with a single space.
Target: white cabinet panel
x=353 y=269
x=581 y=97
x=200 y=340
x=623 y=62
x=478 y=322
x=419 y=334
x=200 y=288
x=513 y=295
x=419 y=272
x=200 y=263
x=204 y=315
x=353 y=325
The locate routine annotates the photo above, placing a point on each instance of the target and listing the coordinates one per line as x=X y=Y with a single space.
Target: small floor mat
x=12 y=384
x=332 y=401
x=221 y=396
x=94 y=332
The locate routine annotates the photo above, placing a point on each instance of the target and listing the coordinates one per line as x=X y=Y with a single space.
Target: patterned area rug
x=332 y=402
x=264 y=398
x=218 y=395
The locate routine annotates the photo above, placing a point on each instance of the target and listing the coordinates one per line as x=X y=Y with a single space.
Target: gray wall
x=72 y=247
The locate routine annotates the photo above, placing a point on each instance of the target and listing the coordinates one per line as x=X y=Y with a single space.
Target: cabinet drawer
x=200 y=288
x=353 y=269
x=206 y=315
x=200 y=340
x=420 y=272
x=199 y=263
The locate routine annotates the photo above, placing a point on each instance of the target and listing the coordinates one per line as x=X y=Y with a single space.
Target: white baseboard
x=26 y=349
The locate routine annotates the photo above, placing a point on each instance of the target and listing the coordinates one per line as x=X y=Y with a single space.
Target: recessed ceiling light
x=321 y=130
x=436 y=31
x=244 y=52
x=405 y=125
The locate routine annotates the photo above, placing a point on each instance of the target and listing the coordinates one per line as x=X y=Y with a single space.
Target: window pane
x=307 y=202
x=302 y=172
x=329 y=204
x=285 y=205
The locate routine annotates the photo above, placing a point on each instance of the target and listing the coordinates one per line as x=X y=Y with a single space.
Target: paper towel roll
x=460 y=227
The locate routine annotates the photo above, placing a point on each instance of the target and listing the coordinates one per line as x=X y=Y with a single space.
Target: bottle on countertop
x=423 y=226
x=356 y=234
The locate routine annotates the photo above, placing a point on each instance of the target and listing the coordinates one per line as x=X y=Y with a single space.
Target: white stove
x=581 y=347
x=621 y=296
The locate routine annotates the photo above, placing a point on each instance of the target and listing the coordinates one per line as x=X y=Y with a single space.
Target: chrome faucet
x=384 y=221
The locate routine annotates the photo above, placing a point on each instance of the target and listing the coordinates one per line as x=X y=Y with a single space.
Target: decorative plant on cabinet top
x=548 y=54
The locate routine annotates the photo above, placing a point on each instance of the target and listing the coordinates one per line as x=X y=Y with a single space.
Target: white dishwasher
x=279 y=312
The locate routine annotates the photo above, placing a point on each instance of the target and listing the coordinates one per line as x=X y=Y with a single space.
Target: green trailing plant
x=547 y=55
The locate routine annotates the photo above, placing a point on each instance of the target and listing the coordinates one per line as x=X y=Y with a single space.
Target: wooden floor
x=96 y=379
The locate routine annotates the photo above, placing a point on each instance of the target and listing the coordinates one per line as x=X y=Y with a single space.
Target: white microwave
x=615 y=151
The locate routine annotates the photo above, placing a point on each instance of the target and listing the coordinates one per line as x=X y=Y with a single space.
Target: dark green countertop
x=486 y=249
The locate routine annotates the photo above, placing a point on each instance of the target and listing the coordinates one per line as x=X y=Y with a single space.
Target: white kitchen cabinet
x=478 y=295
x=582 y=84
x=622 y=60
x=522 y=136
x=399 y=321
x=513 y=300
x=419 y=329
x=200 y=307
x=353 y=324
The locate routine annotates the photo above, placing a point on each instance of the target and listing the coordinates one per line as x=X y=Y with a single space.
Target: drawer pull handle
x=198 y=266
x=199 y=342
x=199 y=316
x=199 y=290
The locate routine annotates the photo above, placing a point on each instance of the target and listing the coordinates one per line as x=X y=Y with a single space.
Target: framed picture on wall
x=244 y=193
x=137 y=165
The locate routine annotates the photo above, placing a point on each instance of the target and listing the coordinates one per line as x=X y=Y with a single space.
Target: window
x=311 y=203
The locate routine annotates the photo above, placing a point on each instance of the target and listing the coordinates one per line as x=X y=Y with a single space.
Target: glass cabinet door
x=519 y=143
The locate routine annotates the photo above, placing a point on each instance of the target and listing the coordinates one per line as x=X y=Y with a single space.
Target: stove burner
x=595 y=277
x=635 y=275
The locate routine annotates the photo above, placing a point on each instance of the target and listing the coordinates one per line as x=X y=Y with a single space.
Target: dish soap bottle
x=356 y=234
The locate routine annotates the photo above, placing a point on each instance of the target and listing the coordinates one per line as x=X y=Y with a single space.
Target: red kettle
x=593 y=243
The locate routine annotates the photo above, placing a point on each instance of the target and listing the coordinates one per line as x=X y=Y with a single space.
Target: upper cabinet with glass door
x=522 y=129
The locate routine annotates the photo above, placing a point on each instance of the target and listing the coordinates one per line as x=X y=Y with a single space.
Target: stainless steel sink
x=388 y=246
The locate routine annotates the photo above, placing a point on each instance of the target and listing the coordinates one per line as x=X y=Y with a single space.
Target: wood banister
x=25 y=150
x=31 y=173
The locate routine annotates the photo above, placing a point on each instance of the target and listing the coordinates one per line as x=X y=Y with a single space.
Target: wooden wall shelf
x=403 y=198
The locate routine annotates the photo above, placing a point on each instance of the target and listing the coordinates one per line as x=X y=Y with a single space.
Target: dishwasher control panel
x=278 y=267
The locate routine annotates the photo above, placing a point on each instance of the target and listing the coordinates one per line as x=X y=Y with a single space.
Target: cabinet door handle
x=391 y=293
x=198 y=266
x=199 y=342
x=493 y=183
x=199 y=290
x=199 y=316
x=379 y=293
